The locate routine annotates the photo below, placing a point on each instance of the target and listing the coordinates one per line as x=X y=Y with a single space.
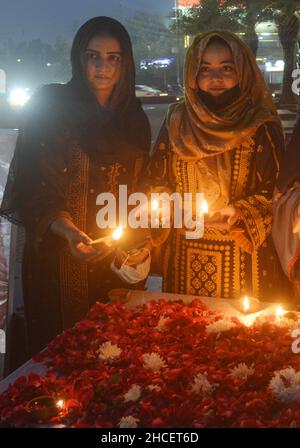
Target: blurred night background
x=36 y=36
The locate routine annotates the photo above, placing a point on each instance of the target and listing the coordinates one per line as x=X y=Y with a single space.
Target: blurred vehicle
x=276 y=94
x=142 y=91
x=18 y=97
x=11 y=106
x=15 y=97
x=175 y=89
x=150 y=95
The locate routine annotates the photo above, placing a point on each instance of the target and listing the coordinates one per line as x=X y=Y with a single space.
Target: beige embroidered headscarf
x=196 y=132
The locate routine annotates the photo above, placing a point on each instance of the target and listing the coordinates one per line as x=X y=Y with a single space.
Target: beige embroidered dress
x=232 y=155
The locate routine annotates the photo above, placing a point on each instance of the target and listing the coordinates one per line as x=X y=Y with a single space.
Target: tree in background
x=31 y=64
x=285 y=15
x=233 y=15
x=209 y=14
x=62 y=62
x=248 y=14
x=151 y=39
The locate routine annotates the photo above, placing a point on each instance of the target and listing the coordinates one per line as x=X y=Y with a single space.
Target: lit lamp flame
x=204 y=206
x=108 y=240
x=154 y=205
x=246 y=304
x=117 y=233
x=60 y=404
x=279 y=312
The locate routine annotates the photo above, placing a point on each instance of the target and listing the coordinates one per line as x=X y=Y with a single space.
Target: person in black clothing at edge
x=77 y=140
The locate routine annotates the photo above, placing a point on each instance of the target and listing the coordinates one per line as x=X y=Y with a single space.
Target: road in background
x=156 y=114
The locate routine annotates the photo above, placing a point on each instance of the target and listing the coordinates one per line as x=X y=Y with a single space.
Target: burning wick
x=158 y=209
x=108 y=240
x=154 y=205
x=117 y=233
x=246 y=304
x=279 y=312
x=60 y=404
x=204 y=207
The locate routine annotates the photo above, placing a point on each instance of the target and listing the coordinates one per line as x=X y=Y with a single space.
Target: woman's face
x=103 y=64
x=217 y=71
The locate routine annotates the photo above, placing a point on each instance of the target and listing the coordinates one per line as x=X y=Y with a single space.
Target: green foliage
x=151 y=38
x=285 y=15
x=210 y=14
x=33 y=63
x=149 y=35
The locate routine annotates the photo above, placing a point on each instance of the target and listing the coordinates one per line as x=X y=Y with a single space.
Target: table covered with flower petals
x=173 y=361
x=226 y=307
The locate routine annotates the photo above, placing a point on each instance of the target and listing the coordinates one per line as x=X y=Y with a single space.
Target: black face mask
x=220 y=102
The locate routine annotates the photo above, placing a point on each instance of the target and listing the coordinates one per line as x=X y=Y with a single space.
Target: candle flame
x=204 y=206
x=279 y=312
x=246 y=304
x=117 y=233
x=60 y=404
x=154 y=205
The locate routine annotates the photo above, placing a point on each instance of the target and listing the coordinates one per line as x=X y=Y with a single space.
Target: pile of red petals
x=94 y=388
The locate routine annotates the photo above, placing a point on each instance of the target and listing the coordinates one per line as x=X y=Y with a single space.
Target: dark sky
x=45 y=19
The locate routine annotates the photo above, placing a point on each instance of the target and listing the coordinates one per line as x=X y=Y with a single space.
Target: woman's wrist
x=62 y=226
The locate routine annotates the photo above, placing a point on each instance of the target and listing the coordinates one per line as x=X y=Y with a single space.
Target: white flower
x=128 y=422
x=108 y=351
x=202 y=385
x=133 y=394
x=242 y=371
x=285 y=385
x=161 y=326
x=219 y=326
x=154 y=387
x=153 y=361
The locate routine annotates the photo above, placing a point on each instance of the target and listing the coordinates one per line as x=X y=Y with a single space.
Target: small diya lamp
x=279 y=313
x=157 y=208
x=60 y=404
x=154 y=205
x=204 y=207
x=45 y=407
x=249 y=304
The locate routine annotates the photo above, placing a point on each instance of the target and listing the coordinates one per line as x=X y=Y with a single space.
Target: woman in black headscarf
x=78 y=140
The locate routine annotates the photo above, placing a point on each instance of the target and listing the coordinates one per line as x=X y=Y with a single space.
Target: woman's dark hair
x=94 y=124
x=58 y=113
x=124 y=91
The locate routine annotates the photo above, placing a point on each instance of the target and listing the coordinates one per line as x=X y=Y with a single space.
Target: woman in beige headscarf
x=224 y=140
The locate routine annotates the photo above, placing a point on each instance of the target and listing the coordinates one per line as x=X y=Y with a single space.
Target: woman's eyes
x=112 y=59
x=92 y=56
x=225 y=68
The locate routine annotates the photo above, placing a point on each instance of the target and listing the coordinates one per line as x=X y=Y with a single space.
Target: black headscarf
x=104 y=133
x=124 y=92
x=101 y=129
x=218 y=103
